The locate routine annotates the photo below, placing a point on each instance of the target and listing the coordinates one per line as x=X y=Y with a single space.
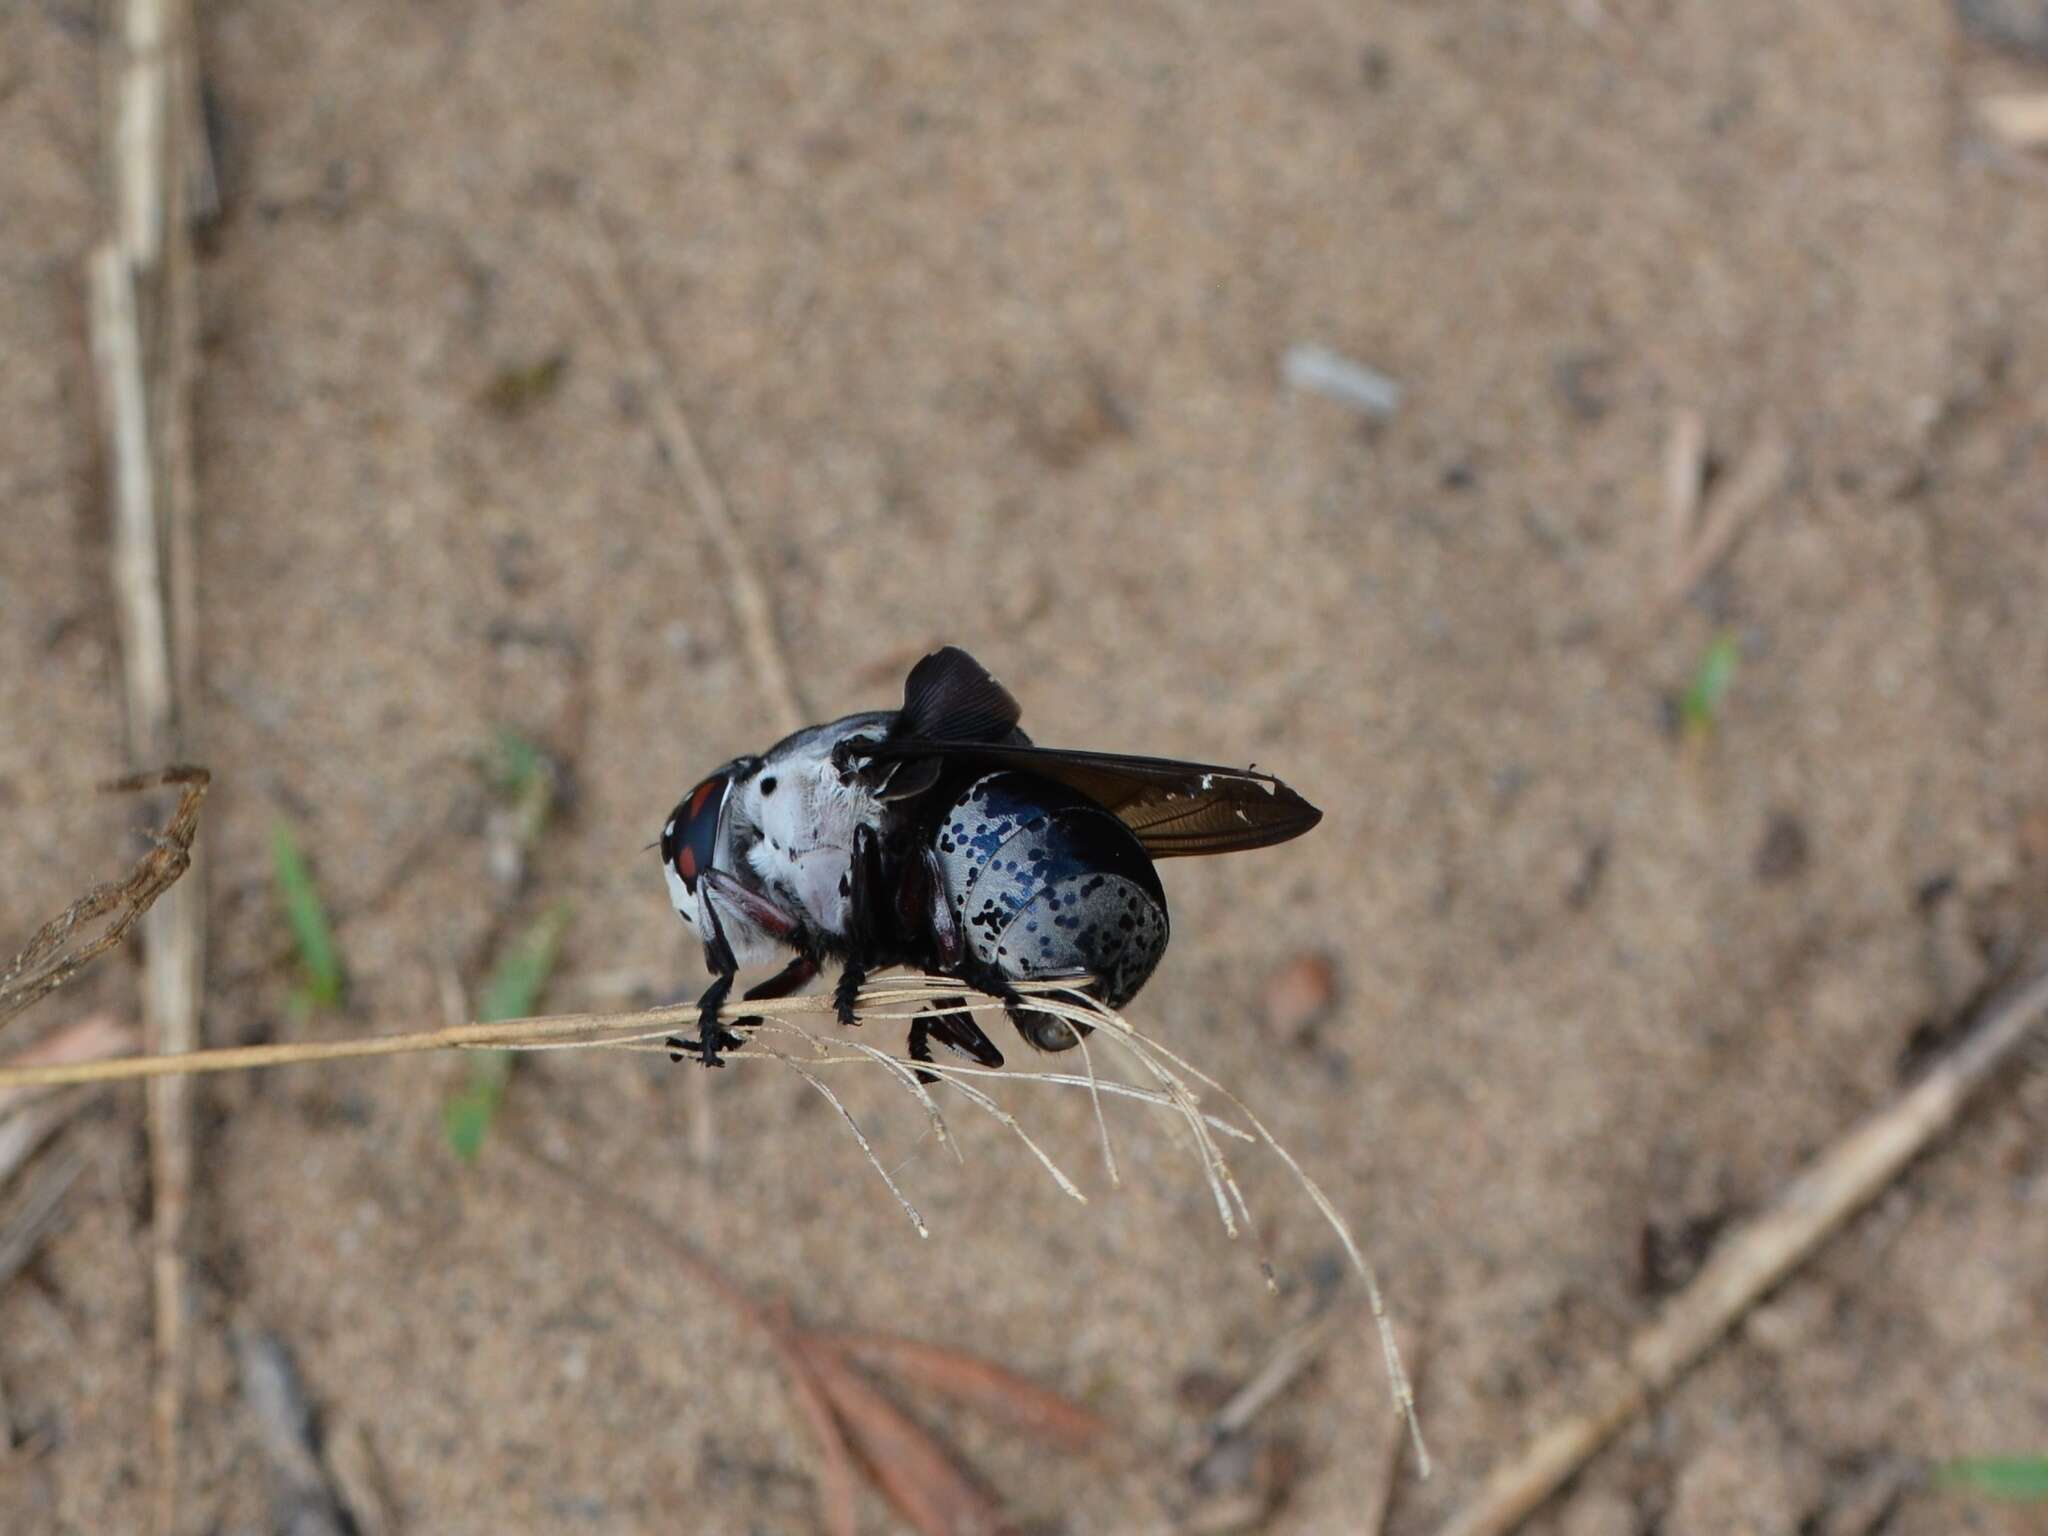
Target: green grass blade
x=513 y=992
x=1699 y=708
x=514 y=763
x=319 y=957
x=514 y=989
x=2020 y=1478
x=521 y=773
x=467 y=1117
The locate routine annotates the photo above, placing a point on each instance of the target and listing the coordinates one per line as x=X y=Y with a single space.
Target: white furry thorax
x=796 y=839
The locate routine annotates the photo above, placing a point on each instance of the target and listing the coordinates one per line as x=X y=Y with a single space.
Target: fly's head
x=695 y=837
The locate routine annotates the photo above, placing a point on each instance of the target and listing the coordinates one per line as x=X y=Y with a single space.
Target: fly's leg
x=790 y=978
x=921 y=1048
x=847 y=994
x=952 y=1026
x=718 y=889
x=711 y=1036
x=949 y=1022
x=785 y=981
x=863 y=922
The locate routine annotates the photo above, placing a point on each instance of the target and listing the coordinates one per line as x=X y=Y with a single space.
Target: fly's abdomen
x=1044 y=882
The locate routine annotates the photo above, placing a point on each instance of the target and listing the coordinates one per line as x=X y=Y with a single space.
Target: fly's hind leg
x=954 y=1029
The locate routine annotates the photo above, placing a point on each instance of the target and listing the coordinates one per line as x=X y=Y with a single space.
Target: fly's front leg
x=720 y=891
x=711 y=1036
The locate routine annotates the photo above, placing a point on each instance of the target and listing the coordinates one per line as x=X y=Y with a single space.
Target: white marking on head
x=684 y=900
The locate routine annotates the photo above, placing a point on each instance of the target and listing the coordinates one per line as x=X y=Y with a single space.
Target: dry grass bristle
x=797 y=1033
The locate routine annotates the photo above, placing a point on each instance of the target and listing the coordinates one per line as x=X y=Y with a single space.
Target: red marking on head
x=703 y=793
x=686 y=862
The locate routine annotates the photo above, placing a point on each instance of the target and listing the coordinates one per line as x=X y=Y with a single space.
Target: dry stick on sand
x=1703 y=534
x=303 y=1499
x=2019 y=120
x=749 y=594
x=679 y=443
x=143 y=324
x=1685 y=481
x=1750 y=1262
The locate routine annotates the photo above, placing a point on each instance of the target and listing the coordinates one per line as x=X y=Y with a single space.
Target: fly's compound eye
x=691 y=836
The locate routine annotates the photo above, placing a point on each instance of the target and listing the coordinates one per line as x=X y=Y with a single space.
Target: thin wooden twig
x=1298 y=1349
x=1685 y=478
x=749 y=594
x=750 y=602
x=302 y=1497
x=1746 y=491
x=144 y=325
x=1746 y=1265
x=2019 y=119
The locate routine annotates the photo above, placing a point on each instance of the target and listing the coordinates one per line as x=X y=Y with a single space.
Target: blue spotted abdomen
x=1044 y=882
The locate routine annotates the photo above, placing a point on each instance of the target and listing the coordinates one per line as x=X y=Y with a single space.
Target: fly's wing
x=949 y=696
x=1175 y=808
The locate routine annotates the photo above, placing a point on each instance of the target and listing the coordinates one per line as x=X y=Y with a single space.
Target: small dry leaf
x=983 y=1385
x=916 y=1474
x=839 y=1485
x=1300 y=994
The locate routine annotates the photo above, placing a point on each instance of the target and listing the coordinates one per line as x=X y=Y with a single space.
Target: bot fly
x=938 y=836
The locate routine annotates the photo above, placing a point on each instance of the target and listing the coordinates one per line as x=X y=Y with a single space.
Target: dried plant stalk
x=756 y=614
x=894 y=997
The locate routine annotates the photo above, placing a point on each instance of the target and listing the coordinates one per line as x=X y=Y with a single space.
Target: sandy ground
x=978 y=313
